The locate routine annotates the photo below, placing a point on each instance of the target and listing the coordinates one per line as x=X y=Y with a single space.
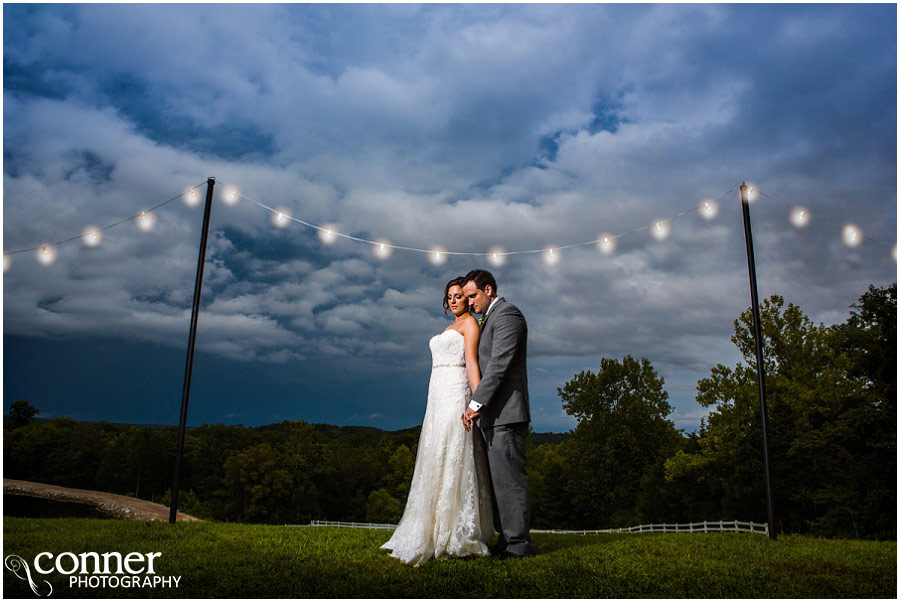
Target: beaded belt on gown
x=448 y=366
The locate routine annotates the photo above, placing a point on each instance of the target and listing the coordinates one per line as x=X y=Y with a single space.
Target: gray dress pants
x=509 y=485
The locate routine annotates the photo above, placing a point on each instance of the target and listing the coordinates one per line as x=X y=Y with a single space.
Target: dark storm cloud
x=463 y=126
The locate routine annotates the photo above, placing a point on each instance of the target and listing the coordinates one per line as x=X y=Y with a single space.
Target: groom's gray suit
x=503 y=394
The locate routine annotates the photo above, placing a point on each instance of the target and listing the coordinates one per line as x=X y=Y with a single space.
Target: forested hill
x=288 y=472
x=330 y=431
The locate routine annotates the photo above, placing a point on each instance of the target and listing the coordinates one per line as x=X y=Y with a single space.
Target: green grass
x=223 y=560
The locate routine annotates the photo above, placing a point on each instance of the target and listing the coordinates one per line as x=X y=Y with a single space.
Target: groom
x=500 y=403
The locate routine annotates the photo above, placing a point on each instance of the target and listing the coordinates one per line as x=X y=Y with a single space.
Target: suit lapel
x=491 y=312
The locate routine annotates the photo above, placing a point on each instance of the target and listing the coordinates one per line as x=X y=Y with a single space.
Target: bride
x=448 y=511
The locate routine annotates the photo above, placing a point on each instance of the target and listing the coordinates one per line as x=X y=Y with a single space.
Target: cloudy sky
x=464 y=126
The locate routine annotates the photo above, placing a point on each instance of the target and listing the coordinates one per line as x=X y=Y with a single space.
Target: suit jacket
x=503 y=390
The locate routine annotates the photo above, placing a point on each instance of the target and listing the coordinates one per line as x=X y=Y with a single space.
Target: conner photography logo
x=90 y=569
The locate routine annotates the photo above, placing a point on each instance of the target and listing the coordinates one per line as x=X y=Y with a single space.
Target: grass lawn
x=225 y=560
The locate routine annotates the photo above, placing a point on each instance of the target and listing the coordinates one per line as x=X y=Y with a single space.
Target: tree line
x=831 y=397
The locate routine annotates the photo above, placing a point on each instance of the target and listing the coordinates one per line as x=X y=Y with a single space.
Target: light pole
x=760 y=367
x=186 y=391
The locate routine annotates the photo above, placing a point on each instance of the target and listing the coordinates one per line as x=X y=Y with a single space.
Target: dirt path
x=118 y=506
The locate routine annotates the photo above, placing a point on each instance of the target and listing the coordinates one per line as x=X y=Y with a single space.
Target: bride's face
x=457 y=301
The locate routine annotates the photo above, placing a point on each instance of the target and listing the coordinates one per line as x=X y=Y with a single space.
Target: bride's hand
x=469 y=417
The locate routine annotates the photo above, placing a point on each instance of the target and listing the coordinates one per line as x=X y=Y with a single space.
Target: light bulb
x=551 y=256
x=800 y=216
x=660 y=229
x=328 y=234
x=437 y=255
x=709 y=209
x=752 y=192
x=497 y=256
x=382 y=248
x=91 y=236
x=852 y=235
x=606 y=244
x=281 y=218
x=146 y=220
x=192 y=198
x=232 y=196
x=46 y=254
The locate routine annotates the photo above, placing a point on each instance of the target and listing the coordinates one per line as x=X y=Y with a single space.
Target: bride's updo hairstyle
x=458 y=281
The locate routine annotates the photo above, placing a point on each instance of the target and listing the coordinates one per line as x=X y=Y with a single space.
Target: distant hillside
x=6 y=421
x=326 y=431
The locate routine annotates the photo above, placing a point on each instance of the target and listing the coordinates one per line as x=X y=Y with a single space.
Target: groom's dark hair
x=482 y=278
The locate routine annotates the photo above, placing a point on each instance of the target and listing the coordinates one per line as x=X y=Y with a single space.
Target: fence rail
x=707 y=526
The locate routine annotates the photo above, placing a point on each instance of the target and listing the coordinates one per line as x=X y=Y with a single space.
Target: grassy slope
x=232 y=560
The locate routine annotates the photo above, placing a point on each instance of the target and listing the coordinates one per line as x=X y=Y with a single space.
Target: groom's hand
x=469 y=418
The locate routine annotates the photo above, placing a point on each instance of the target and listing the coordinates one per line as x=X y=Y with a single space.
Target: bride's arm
x=472 y=333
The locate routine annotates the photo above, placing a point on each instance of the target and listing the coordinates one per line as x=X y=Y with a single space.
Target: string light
x=752 y=193
x=382 y=248
x=281 y=217
x=800 y=216
x=606 y=244
x=328 y=234
x=438 y=255
x=497 y=257
x=146 y=220
x=661 y=229
x=551 y=256
x=46 y=254
x=232 y=196
x=92 y=236
x=852 y=235
x=191 y=197
x=709 y=209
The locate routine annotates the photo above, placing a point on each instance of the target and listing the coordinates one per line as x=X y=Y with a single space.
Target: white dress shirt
x=474 y=405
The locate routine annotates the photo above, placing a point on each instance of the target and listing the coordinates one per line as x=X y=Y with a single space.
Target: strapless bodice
x=448 y=349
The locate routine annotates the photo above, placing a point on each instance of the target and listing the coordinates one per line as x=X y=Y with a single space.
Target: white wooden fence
x=333 y=523
x=706 y=526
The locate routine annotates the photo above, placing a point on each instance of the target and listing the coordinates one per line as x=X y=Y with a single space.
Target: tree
x=867 y=427
x=138 y=461
x=22 y=413
x=267 y=484
x=382 y=507
x=622 y=438
x=401 y=464
x=832 y=423
x=549 y=475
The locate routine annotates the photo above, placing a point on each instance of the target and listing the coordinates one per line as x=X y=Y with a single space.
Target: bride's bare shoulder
x=469 y=326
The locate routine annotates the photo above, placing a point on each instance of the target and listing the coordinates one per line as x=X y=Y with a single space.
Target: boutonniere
x=482 y=321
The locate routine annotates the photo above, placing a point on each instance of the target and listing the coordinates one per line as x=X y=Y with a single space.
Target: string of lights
x=92 y=235
x=328 y=233
x=851 y=234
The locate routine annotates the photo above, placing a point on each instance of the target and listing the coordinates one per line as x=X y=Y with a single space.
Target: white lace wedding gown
x=448 y=511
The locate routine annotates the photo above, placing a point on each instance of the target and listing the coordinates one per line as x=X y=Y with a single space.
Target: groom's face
x=479 y=300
